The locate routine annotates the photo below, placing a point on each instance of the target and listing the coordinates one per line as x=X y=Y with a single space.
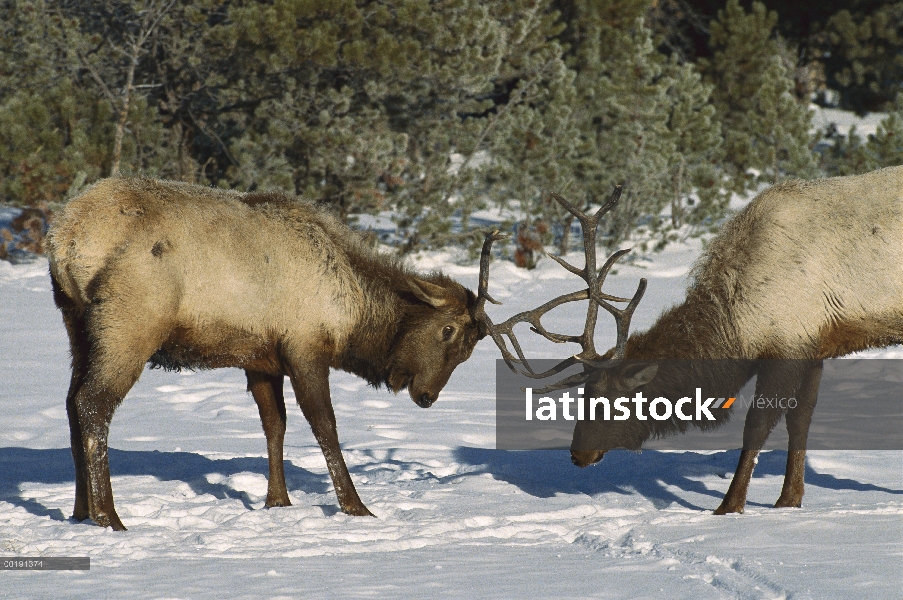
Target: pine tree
x=120 y=50
x=68 y=114
x=308 y=121
x=49 y=126
x=697 y=149
x=863 y=54
x=533 y=153
x=885 y=147
x=840 y=154
x=765 y=128
x=623 y=113
x=643 y=122
x=850 y=154
x=366 y=105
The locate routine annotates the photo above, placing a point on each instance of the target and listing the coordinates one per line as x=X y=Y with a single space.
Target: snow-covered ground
x=456 y=518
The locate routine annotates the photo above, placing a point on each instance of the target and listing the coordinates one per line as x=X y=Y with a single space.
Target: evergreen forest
x=435 y=112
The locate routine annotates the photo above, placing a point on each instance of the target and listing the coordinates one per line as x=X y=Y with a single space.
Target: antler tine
x=623 y=317
x=485 y=323
x=479 y=311
x=610 y=203
x=566 y=265
x=601 y=276
x=568 y=382
x=603 y=273
x=583 y=217
x=485 y=256
x=533 y=317
x=588 y=356
x=589 y=224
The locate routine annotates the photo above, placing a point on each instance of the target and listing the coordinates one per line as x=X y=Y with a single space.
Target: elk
x=809 y=270
x=184 y=276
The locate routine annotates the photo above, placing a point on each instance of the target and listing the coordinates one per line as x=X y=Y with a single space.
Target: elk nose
x=574 y=460
x=425 y=401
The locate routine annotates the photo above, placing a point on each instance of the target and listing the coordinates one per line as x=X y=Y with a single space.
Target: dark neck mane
x=698 y=328
x=715 y=378
x=389 y=308
x=706 y=352
x=383 y=284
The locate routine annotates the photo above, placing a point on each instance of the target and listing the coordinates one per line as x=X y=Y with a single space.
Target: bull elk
x=808 y=270
x=184 y=276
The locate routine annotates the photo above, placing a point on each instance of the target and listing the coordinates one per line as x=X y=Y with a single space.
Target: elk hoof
x=357 y=511
x=788 y=502
x=111 y=520
x=728 y=509
x=273 y=503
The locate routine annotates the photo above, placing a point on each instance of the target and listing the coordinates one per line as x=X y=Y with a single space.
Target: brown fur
x=808 y=270
x=183 y=276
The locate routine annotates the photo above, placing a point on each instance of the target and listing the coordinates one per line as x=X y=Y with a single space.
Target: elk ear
x=640 y=374
x=434 y=295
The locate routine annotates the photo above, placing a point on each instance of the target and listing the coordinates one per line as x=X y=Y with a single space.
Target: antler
x=594 y=281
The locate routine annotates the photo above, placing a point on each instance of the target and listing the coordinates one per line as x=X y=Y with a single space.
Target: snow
x=865 y=126
x=455 y=517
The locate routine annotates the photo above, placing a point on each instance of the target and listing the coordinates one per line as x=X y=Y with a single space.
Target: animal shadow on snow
x=54 y=466
x=651 y=474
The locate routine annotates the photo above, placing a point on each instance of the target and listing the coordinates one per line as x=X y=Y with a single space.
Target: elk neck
x=698 y=331
x=700 y=328
x=382 y=310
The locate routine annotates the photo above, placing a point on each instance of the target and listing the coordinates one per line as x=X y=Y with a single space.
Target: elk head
x=592 y=439
x=596 y=368
x=437 y=334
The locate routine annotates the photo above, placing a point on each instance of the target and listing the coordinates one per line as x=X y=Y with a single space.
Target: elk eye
x=447 y=332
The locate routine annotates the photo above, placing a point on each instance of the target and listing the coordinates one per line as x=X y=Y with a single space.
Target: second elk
x=809 y=270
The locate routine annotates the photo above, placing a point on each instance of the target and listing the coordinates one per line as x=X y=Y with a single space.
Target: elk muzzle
x=585 y=458
x=424 y=390
x=425 y=393
x=425 y=400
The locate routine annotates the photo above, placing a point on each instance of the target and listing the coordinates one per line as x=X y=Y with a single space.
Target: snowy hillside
x=456 y=518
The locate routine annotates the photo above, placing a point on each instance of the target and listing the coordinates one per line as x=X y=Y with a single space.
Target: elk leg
x=310 y=381
x=267 y=392
x=95 y=402
x=80 y=511
x=118 y=352
x=758 y=425
x=735 y=499
x=79 y=347
x=798 y=420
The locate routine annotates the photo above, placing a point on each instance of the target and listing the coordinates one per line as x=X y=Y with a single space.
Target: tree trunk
x=565 y=243
x=677 y=209
x=123 y=115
